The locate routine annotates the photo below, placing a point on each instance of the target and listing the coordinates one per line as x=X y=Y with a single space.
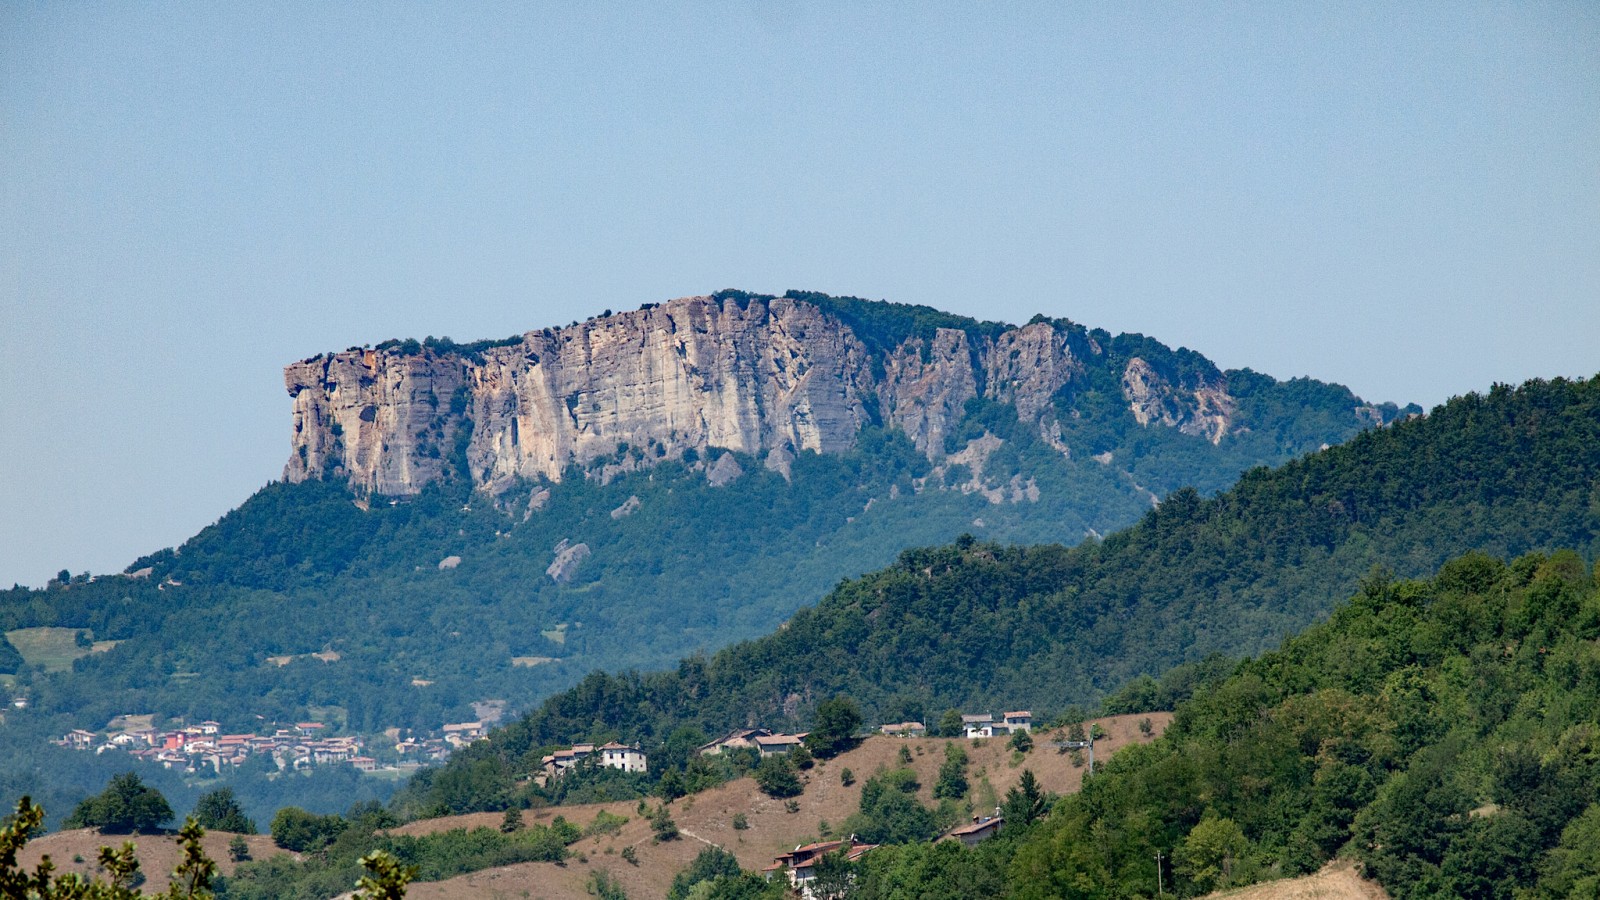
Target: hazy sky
x=1404 y=198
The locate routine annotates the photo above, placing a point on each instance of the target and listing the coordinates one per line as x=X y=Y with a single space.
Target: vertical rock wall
x=759 y=377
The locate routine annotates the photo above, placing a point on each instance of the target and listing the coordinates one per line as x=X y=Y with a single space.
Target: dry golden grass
x=707 y=818
x=158 y=854
x=1338 y=880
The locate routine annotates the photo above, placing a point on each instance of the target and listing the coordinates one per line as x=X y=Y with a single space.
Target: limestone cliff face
x=924 y=396
x=693 y=373
x=380 y=420
x=1204 y=409
x=766 y=377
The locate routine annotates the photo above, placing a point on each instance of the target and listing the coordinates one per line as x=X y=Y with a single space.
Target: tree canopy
x=127 y=805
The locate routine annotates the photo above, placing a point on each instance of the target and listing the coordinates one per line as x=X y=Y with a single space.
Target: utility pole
x=1064 y=746
x=1160 y=891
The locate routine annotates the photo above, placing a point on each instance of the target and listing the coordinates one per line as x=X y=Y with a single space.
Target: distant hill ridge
x=760 y=375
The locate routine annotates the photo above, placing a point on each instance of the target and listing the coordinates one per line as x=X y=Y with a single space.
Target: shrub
x=512 y=821
x=740 y=823
x=662 y=825
x=601 y=885
x=776 y=778
x=605 y=823
x=711 y=864
x=837 y=721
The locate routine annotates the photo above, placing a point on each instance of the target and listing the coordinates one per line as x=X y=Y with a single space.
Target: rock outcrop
x=767 y=377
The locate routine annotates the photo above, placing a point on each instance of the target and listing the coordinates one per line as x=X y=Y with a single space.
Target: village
x=799 y=866
x=204 y=749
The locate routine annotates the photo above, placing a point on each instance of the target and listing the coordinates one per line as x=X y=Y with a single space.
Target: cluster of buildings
x=196 y=748
x=985 y=725
x=612 y=756
x=764 y=742
x=631 y=759
x=980 y=725
x=202 y=747
x=799 y=865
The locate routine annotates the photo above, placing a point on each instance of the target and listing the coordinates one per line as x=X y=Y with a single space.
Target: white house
x=799 y=864
x=621 y=756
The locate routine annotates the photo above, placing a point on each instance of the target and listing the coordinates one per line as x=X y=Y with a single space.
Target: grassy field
x=1339 y=880
x=52 y=649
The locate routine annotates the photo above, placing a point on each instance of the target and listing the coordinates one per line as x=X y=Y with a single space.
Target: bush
x=662 y=825
x=801 y=758
x=605 y=823
x=837 y=721
x=712 y=863
x=776 y=778
x=740 y=823
x=847 y=777
x=512 y=821
x=601 y=885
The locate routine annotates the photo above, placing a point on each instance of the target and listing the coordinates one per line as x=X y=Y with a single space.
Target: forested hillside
x=981 y=625
x=1442 y=731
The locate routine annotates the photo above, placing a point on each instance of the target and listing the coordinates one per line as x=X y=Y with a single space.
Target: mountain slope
x=982 y=625
x=423 y=559
x=1442 y=731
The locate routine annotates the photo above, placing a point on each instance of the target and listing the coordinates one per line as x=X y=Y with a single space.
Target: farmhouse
x=799 y=864
x=734 y=740
x=621 y=756
x=978 y=726
x=905 y=729
x=980 y=829
x=773 y=744
x=612 y=755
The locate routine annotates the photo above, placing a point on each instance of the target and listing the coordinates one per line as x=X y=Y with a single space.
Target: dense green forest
x=1444 y=732
x=980 y=625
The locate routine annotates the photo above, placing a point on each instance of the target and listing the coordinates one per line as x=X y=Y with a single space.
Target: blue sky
x=1404 y=198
